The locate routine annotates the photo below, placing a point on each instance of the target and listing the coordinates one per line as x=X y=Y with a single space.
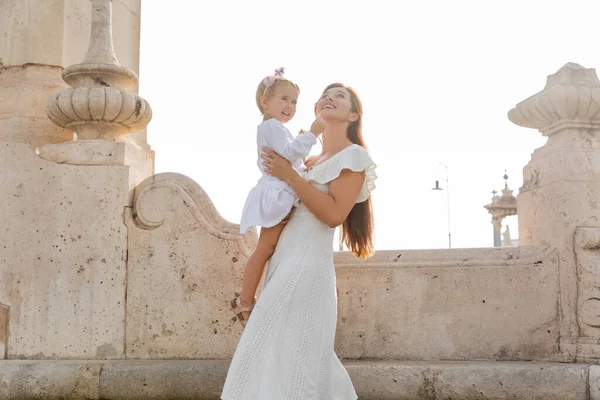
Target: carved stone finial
x=571 y=97
x=98 y=106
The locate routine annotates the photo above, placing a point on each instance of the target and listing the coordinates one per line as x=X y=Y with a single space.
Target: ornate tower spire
x=500 y=208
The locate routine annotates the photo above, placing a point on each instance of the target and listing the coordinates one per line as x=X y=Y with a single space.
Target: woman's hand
x=277 y=166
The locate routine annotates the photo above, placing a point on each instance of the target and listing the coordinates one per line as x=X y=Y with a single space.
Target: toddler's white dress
x=271 y=200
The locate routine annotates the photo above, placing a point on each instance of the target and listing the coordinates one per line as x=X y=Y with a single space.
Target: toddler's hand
x=318 y=126
x=301 y=132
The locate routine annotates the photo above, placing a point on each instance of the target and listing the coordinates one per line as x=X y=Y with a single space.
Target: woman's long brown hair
x=357 y=229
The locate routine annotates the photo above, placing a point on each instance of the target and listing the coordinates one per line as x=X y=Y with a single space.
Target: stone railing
x=459 y=304
x=185 y=261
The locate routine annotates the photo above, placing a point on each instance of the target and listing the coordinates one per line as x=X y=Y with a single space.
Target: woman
x=286 y=350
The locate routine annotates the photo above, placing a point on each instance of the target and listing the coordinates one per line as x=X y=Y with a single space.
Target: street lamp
x=437 y=187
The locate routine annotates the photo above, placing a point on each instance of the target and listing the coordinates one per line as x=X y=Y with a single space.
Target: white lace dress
x=286 y=350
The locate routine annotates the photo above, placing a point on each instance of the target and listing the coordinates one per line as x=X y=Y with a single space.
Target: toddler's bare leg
x=267 y=242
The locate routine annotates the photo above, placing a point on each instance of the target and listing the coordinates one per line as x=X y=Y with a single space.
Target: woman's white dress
x=286 y=350
x=271 y=200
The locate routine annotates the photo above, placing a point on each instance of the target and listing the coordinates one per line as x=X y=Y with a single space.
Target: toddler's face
x=281 y=103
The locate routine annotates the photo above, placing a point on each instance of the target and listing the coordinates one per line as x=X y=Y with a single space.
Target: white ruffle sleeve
x=355 y=158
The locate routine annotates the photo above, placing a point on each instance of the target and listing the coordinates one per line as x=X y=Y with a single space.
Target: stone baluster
x=559 y=202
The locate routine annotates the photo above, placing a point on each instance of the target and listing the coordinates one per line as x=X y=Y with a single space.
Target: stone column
x=497 y=224
x=560 y=198
x=64 y=241
x=3 y=330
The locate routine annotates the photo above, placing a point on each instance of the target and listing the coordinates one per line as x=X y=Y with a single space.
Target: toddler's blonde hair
x=263 y=90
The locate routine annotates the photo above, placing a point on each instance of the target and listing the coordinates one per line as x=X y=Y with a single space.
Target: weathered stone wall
x=462 y=304
x=412 y=305
x=73 y=293
x=185 y=262
x=23 y=93
x=63 y=255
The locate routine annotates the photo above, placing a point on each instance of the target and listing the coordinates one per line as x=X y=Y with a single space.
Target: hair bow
x=270 y=80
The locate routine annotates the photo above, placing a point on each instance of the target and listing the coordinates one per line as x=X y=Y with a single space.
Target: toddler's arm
x=277 y=139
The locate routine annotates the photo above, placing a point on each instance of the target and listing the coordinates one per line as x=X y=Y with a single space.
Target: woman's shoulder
x=354 y=158
x=357 y=159
x=354 y=150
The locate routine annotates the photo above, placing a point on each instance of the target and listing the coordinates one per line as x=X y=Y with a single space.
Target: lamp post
x=437 y=187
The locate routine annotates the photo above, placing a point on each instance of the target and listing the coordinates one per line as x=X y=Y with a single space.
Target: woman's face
x=335 y=104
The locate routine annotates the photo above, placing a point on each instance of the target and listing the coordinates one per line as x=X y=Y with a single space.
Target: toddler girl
x=270 y=202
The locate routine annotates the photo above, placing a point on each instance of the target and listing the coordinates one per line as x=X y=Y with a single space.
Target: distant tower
x=500 y=207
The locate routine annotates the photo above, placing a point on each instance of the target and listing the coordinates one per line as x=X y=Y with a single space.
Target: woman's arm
x=332 y=208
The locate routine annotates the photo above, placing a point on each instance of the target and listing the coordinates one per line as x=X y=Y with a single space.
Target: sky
x=436 y=79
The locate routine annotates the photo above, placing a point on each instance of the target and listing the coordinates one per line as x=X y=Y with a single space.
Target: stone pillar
x=40 y=38
x=497 y=225
x=3 y=330
x=560 y=198
x=63 y=237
